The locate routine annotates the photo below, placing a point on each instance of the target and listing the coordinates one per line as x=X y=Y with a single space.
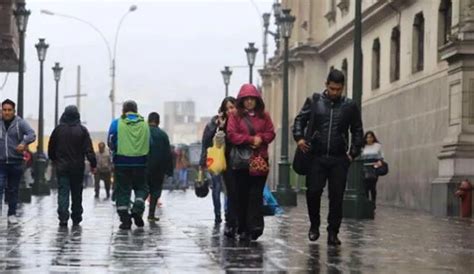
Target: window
x=343 y=5
x=331 y=14
x=395 y=55
x=344 y=70
x=376 y=64
x=444 y=21
x=418 y=50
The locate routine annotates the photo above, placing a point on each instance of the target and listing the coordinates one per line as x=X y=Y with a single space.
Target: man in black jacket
x=331 y=116
x=68 y=146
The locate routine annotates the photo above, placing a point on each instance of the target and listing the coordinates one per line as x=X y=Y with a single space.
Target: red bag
x=258 y=166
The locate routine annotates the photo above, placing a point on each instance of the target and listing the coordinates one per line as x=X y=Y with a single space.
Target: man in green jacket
x=159 y=162
x=129 y=140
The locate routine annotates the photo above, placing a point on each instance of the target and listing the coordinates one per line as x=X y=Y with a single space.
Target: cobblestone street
x=186 y=241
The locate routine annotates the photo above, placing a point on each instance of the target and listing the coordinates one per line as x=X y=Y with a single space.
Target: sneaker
x=12 y=220
x=153 y=219
x=138 y=220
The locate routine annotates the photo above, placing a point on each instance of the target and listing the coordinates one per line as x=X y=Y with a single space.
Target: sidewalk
x=186 y=241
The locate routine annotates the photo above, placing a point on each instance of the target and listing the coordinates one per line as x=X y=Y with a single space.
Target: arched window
x=444 y=21
x=418 y=50
x=395 y=54
x=376 y=64
x=344 y=70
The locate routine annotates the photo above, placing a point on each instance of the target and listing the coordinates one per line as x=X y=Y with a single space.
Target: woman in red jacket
x=251 y=126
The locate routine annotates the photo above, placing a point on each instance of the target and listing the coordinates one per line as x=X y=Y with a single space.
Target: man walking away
x=15 y=136
x=69 y=145
x=129 y=139
x=328 y=118
x=160 y=162
x=104 y=169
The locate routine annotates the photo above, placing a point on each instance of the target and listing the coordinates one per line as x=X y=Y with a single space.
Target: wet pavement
x=185 y=240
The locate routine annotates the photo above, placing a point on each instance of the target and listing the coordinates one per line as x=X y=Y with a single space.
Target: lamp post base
x=355 y=204
x=40 y=187
x=24 y=194
x=286 y=198
x=285 y=195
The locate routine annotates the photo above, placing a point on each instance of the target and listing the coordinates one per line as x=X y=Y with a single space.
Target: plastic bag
x=216 y=163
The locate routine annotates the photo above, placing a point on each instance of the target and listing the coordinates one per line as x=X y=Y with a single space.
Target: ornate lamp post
x=21 y=16
x=226 y=73
x=57 y=69
x=285 y=194
x=251 y=54
x=40 y=186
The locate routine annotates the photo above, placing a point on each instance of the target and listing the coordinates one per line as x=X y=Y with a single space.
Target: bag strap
x=316 y=98
x=249 y=125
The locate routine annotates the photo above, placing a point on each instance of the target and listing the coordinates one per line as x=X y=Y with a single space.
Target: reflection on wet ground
x=186 y=240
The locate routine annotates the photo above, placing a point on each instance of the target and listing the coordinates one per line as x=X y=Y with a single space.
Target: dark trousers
x=128 y=179
x=334 y=171
x=104 y=176
x=10 y=176
x=70 y=183
x=250 y=202
x=231 y=190
x=155 y=186
x=371 y=188
x=216 y=194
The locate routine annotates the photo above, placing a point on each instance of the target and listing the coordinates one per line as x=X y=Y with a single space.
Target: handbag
x=240 y=155
x=302 y=161
x=382 y=170
x=258 y=166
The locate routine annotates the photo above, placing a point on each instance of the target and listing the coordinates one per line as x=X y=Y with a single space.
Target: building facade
x=418 y=88
x=180 y=121
x=9 y=48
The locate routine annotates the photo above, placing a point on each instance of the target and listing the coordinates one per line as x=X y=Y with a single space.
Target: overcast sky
x=167 y=50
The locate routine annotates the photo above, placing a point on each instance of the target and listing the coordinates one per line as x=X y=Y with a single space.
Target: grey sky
x=168 y=50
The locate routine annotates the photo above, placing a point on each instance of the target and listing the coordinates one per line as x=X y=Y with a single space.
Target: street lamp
x=285 y=194
x=277 y=13
x=226 y=73
x=112 y=55
x=57 y=77
x=40 y=163
x=266 y=25
x=251 y=54
x=21 y=16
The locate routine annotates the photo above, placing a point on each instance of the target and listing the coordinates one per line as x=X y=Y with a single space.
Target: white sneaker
x=12 y=220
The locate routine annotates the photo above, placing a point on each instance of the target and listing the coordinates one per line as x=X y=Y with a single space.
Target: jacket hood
x=132 y=117
x=248 y=90
x=71 y=116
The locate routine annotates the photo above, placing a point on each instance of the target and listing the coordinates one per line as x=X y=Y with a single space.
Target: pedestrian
x=372 y=155
x=129 y=139
x=160 y=163
x=217 y=124
x=69 y=145
x=182 y=165
x=15 y=136
x=327 y=118
x=104 y=170
x=250 y=127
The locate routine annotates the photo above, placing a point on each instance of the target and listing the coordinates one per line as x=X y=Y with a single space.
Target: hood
x=248 y=90
x=70 y=116
x=132 y=118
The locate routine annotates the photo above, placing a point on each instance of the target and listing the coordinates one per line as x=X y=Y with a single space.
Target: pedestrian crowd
x=328 y=132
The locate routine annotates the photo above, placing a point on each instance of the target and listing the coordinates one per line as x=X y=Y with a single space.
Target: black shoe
x=255 y=235
x=63 y=224
x=333 y=239
x=125 y=225
x=229 y=232
x=96 y=196
x=244 y=237
x=313 y=235
x=138 y=220
x=76 y=223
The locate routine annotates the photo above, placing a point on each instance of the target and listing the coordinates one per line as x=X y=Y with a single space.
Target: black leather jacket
x=331 y=124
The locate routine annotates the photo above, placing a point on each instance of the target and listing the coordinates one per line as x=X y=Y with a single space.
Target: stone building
x=418 y=87
x=9 y=49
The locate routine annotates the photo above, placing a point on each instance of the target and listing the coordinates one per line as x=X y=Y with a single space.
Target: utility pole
x=78 y=94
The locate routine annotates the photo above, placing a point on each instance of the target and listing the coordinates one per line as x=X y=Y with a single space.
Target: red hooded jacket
x=237 y=130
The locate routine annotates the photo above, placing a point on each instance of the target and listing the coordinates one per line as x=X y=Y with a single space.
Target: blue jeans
x=10 y=176
x=216 y=193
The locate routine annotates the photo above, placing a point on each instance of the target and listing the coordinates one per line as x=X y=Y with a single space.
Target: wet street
x=185 y=240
